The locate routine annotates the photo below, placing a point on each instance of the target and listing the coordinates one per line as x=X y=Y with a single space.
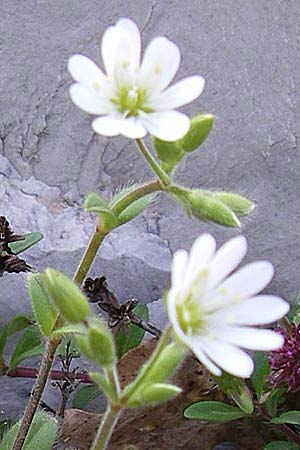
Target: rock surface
x=50 y=158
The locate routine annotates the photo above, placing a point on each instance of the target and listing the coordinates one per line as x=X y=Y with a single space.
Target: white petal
x=132 y=128
x=252 y=338
x=194 y=343
x=88 y=100
x=179 y=265
x=107 y=126
x=201 y=254
x=258 y=310
x=85 y=71
x=166 y=125
x=229 y=358
x=160 y=63
x=111 y=42
x=134 y=37
x=227 y=258
x=181 y=93
x=249 y=280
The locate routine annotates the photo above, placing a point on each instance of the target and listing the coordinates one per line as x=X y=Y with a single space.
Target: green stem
x=143 y=375
x=162 y=175
x=131 y=196
x=89 y=256
x=106 y=428
x=113 y=380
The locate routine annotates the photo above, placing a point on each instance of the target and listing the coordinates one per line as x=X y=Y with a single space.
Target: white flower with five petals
x=131 y=97
x=213 y=312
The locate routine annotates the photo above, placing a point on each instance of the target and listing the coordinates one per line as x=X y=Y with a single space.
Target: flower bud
x=167 y=362
x=83 y=345
x=237 y=203
x=208 y=208
x=66 y=296
x=199 y=130
x=101 y=344
x=153 y=394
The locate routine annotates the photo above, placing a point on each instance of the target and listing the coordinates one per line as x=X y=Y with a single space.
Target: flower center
x=129 y=100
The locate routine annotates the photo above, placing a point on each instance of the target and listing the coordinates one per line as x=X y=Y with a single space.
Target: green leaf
x=261 y=372
x=282 y=445
x=94 y=203
x=134 y=209
x=44 y=311
x=85 y=395
x=213 y=412
x=29 y=240
x=124 y=342
x=275 y=399
x=41 y=436
x=28 y=345
x=16 y=324
x=152 y=394
x=292 y=417
x=76 y=328
x=237 y=390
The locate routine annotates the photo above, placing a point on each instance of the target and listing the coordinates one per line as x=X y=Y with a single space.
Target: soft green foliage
x=281 y=445
x=260 y=374
x=66 y=296
x=200 y=127
x=292 y=417
x=152 y=394
x=41 y=436
x=134 y=209
x=236 y=389
x=275 y=399
x=28 y=345
x=209 y=209
x=126 y=341
x=101 y=344
x=240 y=205
x=171 y=153
x=167 y=362
x=85 y=395
x=44 y=311
x=104 y=384
x=84 y=346
x=95 y=204
x=213 y=412
x=29 y=240
x=15 y=325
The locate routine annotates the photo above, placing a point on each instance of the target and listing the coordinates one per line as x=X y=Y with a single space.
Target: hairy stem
x=36 y=393
x=106 y=428
x=162 y=175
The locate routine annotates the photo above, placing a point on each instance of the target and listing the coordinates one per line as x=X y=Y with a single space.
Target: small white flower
x=213 y=312
x=131 y=97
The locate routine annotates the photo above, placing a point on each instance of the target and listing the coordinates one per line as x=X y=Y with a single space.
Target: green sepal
x=41 y=436
x=211 y=411
x=134 y=209
x=95 y=204
x=167 y=362
x=206 y=207
x=200 y=126
x=101 y=344
x=66 y=296
x=29 y=240
x=236 y=389
x=101 y=380
x=44 y=312
x=169 y=153
x=29 y=344
x=240 y=205
x=152 y=394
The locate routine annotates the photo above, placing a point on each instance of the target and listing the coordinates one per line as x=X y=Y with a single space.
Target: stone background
x=49 y=157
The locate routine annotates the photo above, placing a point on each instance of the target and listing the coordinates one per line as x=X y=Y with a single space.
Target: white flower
x=213 y=312
x=132 y=97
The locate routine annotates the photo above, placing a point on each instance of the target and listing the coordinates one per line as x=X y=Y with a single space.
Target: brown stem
x=36 y=393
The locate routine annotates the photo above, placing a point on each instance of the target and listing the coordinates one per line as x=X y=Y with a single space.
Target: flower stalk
x=106 y=428
x=162 y=175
